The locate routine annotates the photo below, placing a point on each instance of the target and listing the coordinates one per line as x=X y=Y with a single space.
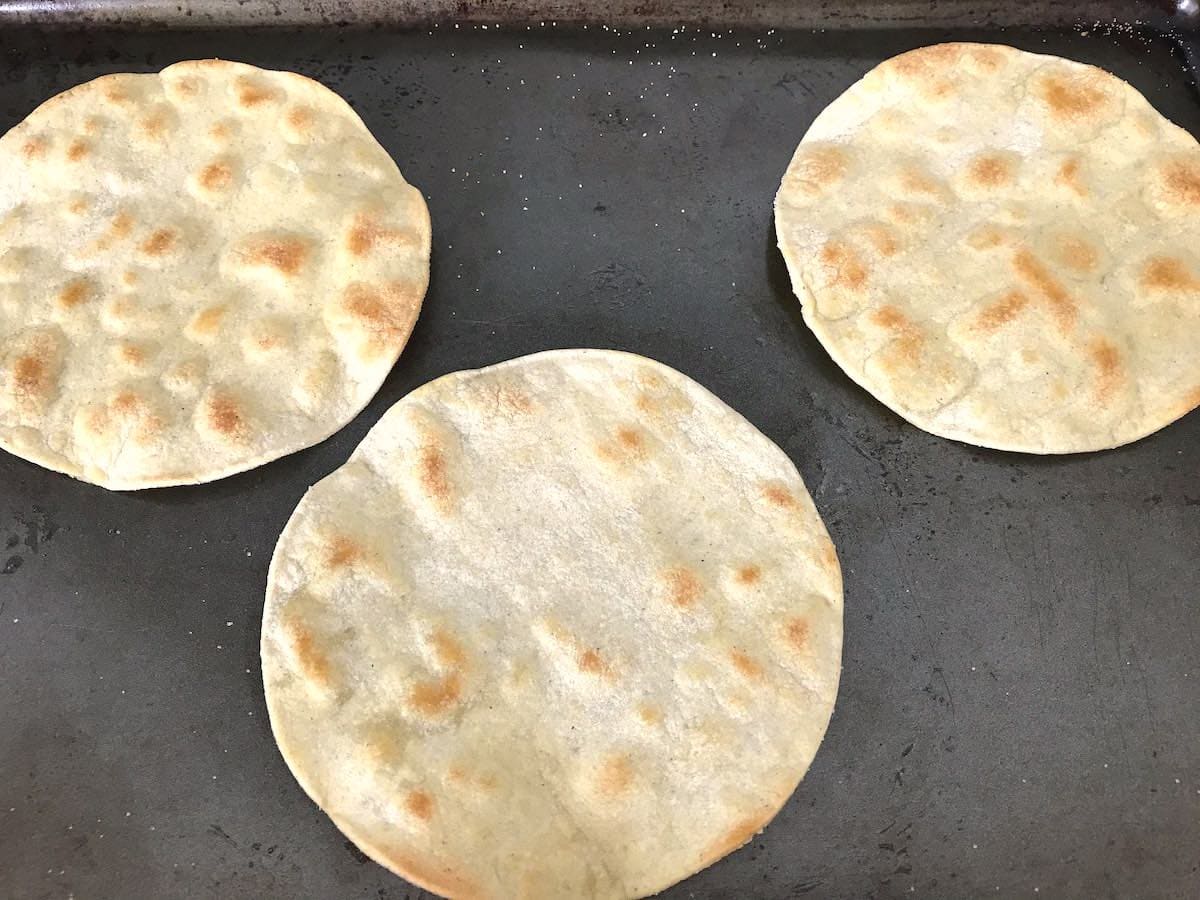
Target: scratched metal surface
x=626 y=13
x=1019 y=709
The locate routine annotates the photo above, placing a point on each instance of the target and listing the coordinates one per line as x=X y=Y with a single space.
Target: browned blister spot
x=649 y=714
x=343 y=551
x=207 y=322
x=382 y=742
x=591 y=662
x=1076 y=253
x=890 y=318
x=1031 y=271
x=252 y=92
x=780 y=496
x=795 y=632
x=1181 y=182
x=118 y=229
x=904 y=353
x=916 y=63
x=657 y=398
x=77 y=150
x=1075 y=97
x=160 y=242
x=916 y=181
x=266 y=336
x=419 y=805
x=31 y=376
x=220 y=132
x=95 y=421
x=266 y=341
x=35 y=148
x=447 y=650
x=131 y=407
x=990 y=170
x=132 y=356
x=926 y=69
x=436 y=697
x=647 y=403
x=300 y=118
x=383 y=313
x=1110 y=371
x=121 y=225
x=225 y=416
x=986 y=237
x=115 y=92
x=986 y=59
x=432 y=475
x=128 y=404
x=1068 y=175
x=1165 y=273
x=627 y=445
x=310 y=658
x=1001 y=312
x=187 y=86
x=904 y=350
x=745 y=665
x=75 y=293
x=907 y=341
x=615 y=775
x=216 y=176
x=748 y=575
x=631 y=441
x=153 y=125
x=366 y=233
x=683 y=587
x=882 y=238
x=843 y=266
x=185 y=375
x=79 y=206
x=816 y=169
x=282 y=253
x=908 y=213
x=512 y=400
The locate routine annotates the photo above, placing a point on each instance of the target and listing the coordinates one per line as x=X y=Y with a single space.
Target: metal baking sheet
x=1158 y=14
x=1019 y=713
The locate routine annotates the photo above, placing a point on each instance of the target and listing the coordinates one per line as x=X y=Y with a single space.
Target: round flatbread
x=201 y=270
x=567 y=626
x=1003 y=247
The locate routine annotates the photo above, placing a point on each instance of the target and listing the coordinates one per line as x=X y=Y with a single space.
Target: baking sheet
x=1157 y=14
x=1018 y=714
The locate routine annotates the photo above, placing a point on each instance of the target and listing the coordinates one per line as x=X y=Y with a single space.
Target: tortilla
x=567 y=626
x=201 y=270
x=1003 y=247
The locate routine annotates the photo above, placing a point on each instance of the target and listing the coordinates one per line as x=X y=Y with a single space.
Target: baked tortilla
x=1003 y=247
x=567 y=626
x=201 y=270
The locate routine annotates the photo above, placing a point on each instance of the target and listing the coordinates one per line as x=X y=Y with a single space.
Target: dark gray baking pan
x=1020 y=706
